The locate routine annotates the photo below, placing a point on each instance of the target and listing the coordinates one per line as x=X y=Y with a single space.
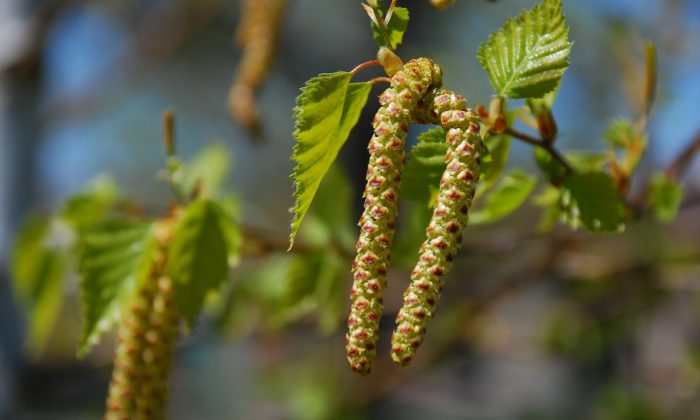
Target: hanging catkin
x=138 y=389
x=444 y=233
x=387 y=150
x=257 y=35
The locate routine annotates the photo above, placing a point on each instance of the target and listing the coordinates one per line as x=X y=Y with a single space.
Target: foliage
x=527 y=57
x=327 y=109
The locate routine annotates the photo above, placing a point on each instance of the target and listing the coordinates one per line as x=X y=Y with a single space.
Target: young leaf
x=327 y=109
x=527 y=57
x=426 y=163
x=38 y=265
x=198 y=255
x=665 y=196
x=112 y=257
x=393 y=34
x=590 y=200
x=510 y=194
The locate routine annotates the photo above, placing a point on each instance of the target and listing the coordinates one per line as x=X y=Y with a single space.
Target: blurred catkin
x=146 y=339
x=257 y=35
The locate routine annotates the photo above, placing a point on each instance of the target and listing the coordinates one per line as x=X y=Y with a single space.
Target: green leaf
x=591 y=201
x=665 y=197
x=393 y=34
x=552 y=169
x=327 y=109
x=510 y=194
x=527 y=57
x=39 y=263
x=113 y=257
x=331 y=220
x=426 y=163
x=548 y=200
x=493 y=164
x=586 y=161
x=198 y=255
x=207 y=170
x=91 y=206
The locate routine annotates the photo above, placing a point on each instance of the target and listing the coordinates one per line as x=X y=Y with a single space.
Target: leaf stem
x=379 y=79
x=364 y=65
x=548 y=146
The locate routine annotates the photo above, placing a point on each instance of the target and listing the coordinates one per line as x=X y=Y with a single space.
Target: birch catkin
x=257 y=34
x=444 y=233
x=387 y=150
x=138 y=389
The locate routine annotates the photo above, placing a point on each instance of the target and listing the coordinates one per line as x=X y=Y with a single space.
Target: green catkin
x=257 y=35
x=138 y=390
x=387 y=150
x=444 y=233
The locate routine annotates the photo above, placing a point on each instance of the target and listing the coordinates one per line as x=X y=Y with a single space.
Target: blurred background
x=557 y=326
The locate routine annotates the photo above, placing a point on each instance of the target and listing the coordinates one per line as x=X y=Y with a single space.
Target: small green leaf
x=527 y=57
x=39 y=263
x=510 y=194
x=207 y=170
x=591 y=201
x=393 y=35
x=327 y=109
x=426 y=163
x=665 y=196
x=113 y=256
x=198 y=255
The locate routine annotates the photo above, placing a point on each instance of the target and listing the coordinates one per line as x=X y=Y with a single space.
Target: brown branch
x=680 y=165
x=548 y=146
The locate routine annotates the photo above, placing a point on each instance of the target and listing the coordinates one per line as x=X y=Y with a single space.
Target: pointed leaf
x=527 y=57
x=327 y=109
x=112 y=257
x=198 y=255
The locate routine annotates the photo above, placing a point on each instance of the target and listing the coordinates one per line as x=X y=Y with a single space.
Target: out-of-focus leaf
x=207 y=170
x=591 y=201
x=426 y=163
x=510 y=194
x=198 y=257
x=39 y=263
x=492 y=166
x=665 y=197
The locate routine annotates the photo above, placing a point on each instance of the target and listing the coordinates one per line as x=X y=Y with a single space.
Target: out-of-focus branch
x=680 y=165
